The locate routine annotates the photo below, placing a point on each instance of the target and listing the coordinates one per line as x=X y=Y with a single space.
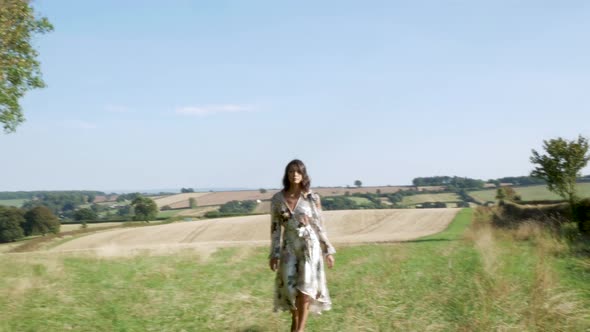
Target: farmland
x=343 y=226
x=462 y=279
x=423 y=198
x=530 y=193
x=12 y=202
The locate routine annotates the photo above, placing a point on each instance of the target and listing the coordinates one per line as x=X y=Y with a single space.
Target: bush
x=511 y=215
x=85 y=214
x=583 y=216
x=11 y=219
x=237 y=207
x=40 y=220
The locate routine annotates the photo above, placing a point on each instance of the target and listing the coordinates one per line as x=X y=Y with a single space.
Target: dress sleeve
x=275 y=230
x=318 y=225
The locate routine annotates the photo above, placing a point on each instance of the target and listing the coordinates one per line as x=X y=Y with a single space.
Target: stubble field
x=356 y=226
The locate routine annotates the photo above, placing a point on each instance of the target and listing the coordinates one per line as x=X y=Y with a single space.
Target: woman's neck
x=294 y=188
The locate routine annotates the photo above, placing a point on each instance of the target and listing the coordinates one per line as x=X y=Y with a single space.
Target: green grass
x=169 y=213
x=423 y=198
x=443 y=282
x=361 y=201
x=531 y=193
x=13 y=202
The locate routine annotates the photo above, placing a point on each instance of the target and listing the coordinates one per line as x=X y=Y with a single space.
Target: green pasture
x=13 y=202
x=451 y=281
x=360 y=201
x=169 y=213
x=423 y=198
x=531 y=193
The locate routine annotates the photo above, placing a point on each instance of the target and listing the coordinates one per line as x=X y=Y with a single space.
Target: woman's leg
x=294 y=321
x=302 y=310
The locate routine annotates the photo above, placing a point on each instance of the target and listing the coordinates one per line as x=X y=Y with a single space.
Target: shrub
x=582 y=211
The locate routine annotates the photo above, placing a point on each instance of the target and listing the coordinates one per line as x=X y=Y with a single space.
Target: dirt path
x=354 y=226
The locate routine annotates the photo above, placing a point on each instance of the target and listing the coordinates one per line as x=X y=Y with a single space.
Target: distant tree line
x=449 y=182
x=518 y=181
x=62 y=204
x=37 y=194
x=233 y=208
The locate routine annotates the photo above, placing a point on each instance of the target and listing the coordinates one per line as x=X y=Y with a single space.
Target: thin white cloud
x=213 y=109
x=118 y=109
x=79 y=124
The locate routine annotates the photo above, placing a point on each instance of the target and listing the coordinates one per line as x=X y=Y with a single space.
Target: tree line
x=16 y=223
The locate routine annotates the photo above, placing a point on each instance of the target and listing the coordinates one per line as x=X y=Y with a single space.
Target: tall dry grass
x=520 y=259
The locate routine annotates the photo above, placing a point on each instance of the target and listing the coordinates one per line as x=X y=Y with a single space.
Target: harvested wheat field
x=174 y=200
x=344 y=227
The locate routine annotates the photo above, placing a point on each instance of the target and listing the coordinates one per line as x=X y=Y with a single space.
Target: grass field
x=12 y=202
x=531 y=193
x=170 y=213
x=443 y=282
x=360 y=201
x=422 y=198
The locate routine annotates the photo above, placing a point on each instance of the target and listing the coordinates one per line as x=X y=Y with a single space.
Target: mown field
x=531 y=193
x=12 y=202
x=457 y=280
x=423 y=198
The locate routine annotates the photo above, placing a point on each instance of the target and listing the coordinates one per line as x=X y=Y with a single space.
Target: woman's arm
x=318 y=224
x=275 y=234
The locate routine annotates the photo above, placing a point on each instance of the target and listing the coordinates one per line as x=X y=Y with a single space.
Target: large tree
x=11 y=219
x=40 y=220
x=19 y=67
x=561 y=164
x=145 y=208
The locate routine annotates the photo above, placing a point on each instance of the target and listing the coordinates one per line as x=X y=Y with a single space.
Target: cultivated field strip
x=175 y=199
x=352 y=226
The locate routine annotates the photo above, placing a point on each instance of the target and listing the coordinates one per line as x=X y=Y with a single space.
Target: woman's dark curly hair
x=300 y=168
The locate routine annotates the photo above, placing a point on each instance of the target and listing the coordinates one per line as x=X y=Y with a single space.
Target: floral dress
x=304 y=243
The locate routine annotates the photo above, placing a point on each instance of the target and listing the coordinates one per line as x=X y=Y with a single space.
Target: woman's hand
x=330 y=260
x=273 y=263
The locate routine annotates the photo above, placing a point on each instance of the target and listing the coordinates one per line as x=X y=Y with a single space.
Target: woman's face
x=295 y=177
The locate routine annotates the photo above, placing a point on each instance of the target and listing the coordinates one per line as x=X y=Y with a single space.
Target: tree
x=187 y=190
x=19 y=67
x=192 y=202
x=145 y=208
x=358 y=183
x=40 y=220
x=561 y=165
x=507 y=193
x=262 y=190
x=11 y=219
x=85 y=214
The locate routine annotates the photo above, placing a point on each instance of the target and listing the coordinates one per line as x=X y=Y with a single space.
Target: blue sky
x=211 y=94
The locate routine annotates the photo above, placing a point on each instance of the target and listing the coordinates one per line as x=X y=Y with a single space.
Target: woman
x=300 y=284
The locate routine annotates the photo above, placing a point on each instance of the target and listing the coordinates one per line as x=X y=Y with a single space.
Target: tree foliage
x=11 y=219
x=19 y=67
x=508 y=194
x=454 y=182
x=145 y=208
x=358 y=183
x=85 y=214
x=561 y=164
x=40 y=220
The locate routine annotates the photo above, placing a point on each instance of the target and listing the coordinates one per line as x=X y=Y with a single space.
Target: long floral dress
x=304 y=243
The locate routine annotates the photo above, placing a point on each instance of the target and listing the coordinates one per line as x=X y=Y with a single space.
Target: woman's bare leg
x=302 y=310
x=294 y=321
